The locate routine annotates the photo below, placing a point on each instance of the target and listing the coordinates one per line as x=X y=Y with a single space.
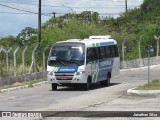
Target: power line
x=20 y=6
x=84 y=7
x=14 y=13
x=46 y=14
x=29 y=4
x=27 y=11
x=26 y=3
x=17 y=9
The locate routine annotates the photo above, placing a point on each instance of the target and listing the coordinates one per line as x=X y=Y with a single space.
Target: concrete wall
x=136 y=63
x=41 y=75
x=22 y=78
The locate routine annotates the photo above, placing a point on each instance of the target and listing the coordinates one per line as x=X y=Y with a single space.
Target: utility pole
x=126 y=6
x=54 y=14
x=39 y=22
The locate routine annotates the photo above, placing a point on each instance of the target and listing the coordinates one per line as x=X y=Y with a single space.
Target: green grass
x=17 y=84
x=19 y=70
x=154 y=85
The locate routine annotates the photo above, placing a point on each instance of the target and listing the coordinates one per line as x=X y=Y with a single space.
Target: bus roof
x=93 y=41
x=100 y=37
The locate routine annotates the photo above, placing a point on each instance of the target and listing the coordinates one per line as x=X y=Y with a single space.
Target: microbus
x=83 y=62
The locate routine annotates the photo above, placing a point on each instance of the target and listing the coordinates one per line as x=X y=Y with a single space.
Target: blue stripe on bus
x=106 y=43
x=66 y=69
x=105 y=66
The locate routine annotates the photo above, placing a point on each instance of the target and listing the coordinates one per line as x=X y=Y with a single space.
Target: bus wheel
x=86 y=86
x=108 y=80
x=54 y=86
x=105 y=82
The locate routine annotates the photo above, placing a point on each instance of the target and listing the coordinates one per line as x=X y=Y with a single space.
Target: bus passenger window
x=107 y=52
x=91 y=54
x=112 y=51
x=88 y=53
x=102 y=52
x=96 y=51
x=116 y=51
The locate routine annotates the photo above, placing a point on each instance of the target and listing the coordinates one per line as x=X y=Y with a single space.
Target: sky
x=15 y=15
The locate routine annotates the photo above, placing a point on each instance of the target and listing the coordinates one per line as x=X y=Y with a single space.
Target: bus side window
x=102 y=52
x=94 y=56
x=112 y=54
x=116 y=51
x=90 y=54
x=107 y=52
x=96 y=51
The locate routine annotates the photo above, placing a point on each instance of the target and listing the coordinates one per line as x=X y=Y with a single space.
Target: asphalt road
x=112 y=98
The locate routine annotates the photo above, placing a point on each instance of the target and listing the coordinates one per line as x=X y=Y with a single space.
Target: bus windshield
x=67 y=55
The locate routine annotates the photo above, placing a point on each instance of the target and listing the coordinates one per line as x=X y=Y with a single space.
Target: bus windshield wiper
x=74 y=62
x=61 y=63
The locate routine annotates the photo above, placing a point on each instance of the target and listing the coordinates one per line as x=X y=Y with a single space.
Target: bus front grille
x=64 y=76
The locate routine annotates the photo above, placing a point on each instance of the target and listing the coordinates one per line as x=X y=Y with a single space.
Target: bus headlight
x=80 y=73
x=50 y=73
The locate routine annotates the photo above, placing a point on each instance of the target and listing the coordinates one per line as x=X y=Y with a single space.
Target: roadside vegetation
x=141 y=22
x=154 y=85
x=18 y=84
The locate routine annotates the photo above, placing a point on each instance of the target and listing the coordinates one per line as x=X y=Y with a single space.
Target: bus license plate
x=64 y=78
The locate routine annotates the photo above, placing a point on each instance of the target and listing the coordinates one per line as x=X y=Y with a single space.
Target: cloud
x=14 y=23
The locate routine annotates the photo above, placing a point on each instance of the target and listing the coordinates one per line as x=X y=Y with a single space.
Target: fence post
x=139 y=52
x=7 y=61
x=157 y=39
x=44 y=65
x=23 y=59
x=0 y=62
x=14 y=58
x=123 y=62
x=33 y=64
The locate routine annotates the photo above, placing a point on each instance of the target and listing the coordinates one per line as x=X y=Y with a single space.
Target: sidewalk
x=140 y=68
x=141 y=92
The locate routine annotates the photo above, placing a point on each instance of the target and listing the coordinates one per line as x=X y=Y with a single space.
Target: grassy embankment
x=154 y=85
x=17 y=84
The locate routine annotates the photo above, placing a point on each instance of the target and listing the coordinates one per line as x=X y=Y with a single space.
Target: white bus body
x=74 y=62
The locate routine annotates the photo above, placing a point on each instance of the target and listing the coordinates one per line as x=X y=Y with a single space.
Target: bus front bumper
x=77 y=79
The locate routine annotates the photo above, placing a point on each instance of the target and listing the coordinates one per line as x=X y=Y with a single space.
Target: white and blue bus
x=83 y=62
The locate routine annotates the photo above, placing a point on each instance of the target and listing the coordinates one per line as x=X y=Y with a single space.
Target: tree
x=8 y=41
x=26 y=34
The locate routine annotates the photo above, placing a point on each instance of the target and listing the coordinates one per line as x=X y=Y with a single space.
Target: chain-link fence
x=25 y=60
x=17 y=61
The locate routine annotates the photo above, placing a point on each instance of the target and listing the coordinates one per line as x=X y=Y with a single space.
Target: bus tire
x=108 y=80
x=54 y=86
x=105 y=82
x=86 y=86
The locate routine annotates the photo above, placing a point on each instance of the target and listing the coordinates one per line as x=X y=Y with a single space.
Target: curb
x=142 y=92
x=21 y=87
x=130 y=69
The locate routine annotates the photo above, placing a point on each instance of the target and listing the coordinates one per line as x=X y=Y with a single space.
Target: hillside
x=143 y=21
